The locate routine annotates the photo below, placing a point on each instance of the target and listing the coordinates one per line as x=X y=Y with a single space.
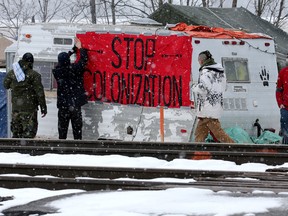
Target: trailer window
x=63 y=41
x=236 y=69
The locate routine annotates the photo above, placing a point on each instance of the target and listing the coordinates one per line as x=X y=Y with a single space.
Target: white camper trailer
x=165 y=61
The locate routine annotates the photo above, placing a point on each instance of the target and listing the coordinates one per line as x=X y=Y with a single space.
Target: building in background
x=231 y=18
x=4 y=43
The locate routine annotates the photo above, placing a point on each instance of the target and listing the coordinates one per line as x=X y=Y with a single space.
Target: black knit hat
x=63 y=59
x=28 y=57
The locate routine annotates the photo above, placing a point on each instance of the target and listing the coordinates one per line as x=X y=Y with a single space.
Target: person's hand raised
x=78 y=43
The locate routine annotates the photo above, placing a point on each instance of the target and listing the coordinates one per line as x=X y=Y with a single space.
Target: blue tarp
x=3 y=108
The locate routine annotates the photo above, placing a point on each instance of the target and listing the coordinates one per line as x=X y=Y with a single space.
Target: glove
x=74 y=48
x=43 y=112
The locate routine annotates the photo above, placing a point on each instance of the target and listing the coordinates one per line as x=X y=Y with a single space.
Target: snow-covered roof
x=233 y=18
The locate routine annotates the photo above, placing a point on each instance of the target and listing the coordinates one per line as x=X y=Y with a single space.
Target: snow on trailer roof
x=215 y=32
x=38 y=38
x=68 y=28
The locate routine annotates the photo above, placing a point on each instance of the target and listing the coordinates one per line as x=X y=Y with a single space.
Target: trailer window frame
x=236 y=70
x=64 y=41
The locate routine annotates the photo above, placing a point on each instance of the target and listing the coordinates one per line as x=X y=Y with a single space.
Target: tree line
x=13 y=13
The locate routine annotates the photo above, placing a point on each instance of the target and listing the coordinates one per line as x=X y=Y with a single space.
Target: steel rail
x=269 y=158
x=146 y=145
x=133 y=173
x=107 y=178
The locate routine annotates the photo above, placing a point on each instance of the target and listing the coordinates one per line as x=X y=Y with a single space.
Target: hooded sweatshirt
x=210 y=88
x=69 y=77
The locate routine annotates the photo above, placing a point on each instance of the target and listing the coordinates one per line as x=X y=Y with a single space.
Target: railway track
x=109 y=178
x=272 y=154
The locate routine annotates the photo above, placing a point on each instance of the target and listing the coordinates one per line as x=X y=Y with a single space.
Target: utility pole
x=234 y=4
x=93 y=11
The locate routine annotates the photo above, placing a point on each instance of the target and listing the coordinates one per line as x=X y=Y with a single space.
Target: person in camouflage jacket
x=27 y=94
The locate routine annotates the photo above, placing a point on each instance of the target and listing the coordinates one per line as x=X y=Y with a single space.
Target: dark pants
x=64 y=117
x=24 y=124
x=284 y=125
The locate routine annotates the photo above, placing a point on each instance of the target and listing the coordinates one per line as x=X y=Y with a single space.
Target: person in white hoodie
x=209 y=90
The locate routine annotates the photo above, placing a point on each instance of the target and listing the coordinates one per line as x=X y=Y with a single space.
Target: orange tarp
x=215 y=32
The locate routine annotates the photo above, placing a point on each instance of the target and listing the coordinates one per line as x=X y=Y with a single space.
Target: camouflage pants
x=24 y=124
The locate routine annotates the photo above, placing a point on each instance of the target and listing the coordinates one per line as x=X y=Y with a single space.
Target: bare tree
x=12 y=14
x=193 y=2
x=43 y=9
x=93 y=11
x=275 y=12
x=204 y=3
x=279 y=16
x=209 y=3
x=261 y=6
x=113 y=11
x=110 y=11
x=15 y=12
x=146 y=7
x=106 y=11
x=152 y=5
x=76 y=11
x=221 y=3
x=49 y=9
x=140 y=8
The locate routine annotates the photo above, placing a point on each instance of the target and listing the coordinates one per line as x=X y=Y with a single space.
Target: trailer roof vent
x=63 y=41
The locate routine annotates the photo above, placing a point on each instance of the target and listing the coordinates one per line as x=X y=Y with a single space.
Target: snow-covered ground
x=170 y=202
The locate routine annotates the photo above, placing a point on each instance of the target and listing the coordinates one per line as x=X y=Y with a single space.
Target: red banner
x=138 y=69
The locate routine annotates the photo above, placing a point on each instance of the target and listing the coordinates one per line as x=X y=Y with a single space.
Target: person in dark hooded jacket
x=27 y=94
x=71 y=94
